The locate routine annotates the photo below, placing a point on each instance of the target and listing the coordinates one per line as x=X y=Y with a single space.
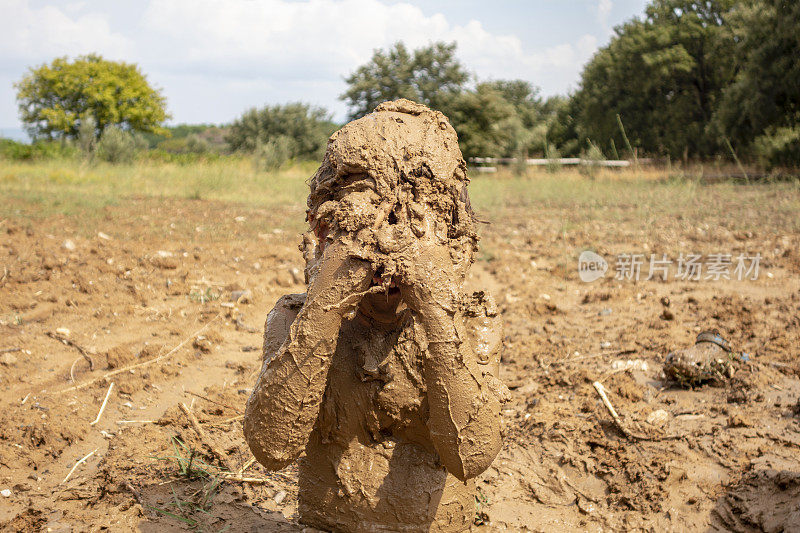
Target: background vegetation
x=688 y=81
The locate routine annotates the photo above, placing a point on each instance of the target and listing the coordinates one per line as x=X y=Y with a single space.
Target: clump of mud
x=392 y=178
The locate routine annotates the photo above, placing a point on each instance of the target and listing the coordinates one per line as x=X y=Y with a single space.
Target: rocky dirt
x=167 y=299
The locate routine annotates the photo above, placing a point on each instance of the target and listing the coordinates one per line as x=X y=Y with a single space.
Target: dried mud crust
x=564 y=464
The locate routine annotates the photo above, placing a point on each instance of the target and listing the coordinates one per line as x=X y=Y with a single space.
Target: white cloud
x=603 y=11
x=323 y=38
x=233 y=54
x=41 y=33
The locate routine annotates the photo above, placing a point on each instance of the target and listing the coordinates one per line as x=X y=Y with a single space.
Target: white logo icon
x=591 y=266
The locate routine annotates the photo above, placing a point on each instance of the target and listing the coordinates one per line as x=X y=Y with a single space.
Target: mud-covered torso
x=370 y=464
x=375 y=386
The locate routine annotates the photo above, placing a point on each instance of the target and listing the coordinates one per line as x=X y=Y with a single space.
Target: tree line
x=686 y=80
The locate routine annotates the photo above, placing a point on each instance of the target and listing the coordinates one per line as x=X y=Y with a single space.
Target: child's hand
x=430 y=285
x=340 y=280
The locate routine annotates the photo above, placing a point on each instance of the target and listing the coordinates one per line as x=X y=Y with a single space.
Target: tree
x=499 y=118
x=482 y=118
x=663 y=75
x=300 y=129
x=54 y=99
x=765 y=95
x=430 y=75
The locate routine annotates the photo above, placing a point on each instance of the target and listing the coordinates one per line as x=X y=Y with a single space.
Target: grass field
x=41 y=189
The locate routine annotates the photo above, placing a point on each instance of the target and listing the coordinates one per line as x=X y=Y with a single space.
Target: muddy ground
x=146 y=291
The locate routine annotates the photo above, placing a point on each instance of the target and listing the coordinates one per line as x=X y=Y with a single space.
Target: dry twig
x=145 y=363
x=221 y=455
x=80 y=462
x=137 y=496
x=227 y=420
x=243 y=479
x=601 y=390
x=212 y=401
x=69 y=342
x=103 y=407
x=246 y=465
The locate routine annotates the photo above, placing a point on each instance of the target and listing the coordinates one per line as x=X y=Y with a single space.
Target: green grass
x=72 y=187
x=646 y=198
x=40 y=189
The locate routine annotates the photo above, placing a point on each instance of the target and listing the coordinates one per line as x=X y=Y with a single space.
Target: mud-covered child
x=384 y=372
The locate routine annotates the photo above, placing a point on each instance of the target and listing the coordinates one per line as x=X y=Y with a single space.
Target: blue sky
x=214 y=59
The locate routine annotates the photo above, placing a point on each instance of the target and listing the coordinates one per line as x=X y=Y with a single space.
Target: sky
x=214 y=59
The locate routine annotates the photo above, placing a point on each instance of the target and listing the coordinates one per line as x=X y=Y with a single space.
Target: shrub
x=18 y=151
x=307 y=127
x=779 y=148
x=117 y=145
x=552 y=154
x=273 y=154
x=590 y=157
x=87 y=136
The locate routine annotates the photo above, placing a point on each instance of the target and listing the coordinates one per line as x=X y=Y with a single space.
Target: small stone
x=658 y=417
x=203 y=344
x=605 y=344
x=665 y=301
x=103 y=236
x=6 y=493
x=63 y=331
x=604 y=312
x=297 y=276
x=8 y=359
x=69 y=245
x=279 y=497
x=164 y=259
x=240 y=219
x=242 y=296
x=737 y=420
x=545 y=297
x=586 y=507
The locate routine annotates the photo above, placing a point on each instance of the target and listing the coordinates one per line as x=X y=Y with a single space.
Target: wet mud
x=385 y=378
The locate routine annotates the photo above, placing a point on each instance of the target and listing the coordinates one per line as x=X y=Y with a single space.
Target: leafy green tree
x=664 y=76
x=303 y=130
x=485 y=121
x=430 y=75
x=561 y=126
x=764 y=99
x=53 y=99
x=500 y=118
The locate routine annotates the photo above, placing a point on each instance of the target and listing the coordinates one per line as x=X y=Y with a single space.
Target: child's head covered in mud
x=384 y=372
x=391 y=180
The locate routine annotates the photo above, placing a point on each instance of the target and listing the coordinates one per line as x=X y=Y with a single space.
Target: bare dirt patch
x=163 y=275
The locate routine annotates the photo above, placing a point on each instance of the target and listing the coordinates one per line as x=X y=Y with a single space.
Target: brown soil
x=718 y=458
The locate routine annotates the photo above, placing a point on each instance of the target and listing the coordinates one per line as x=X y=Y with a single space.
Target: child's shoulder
x=278 y=322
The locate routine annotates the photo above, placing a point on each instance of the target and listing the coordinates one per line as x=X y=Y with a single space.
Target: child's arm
x=464 y=406
x=285 y=402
